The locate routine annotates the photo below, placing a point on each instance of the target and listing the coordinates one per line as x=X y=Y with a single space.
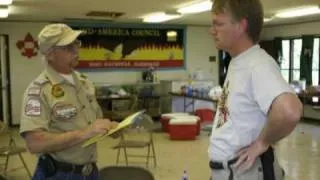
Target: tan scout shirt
x=54 y=104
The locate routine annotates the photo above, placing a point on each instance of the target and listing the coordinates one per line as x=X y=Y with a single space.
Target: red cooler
x=183 y=128
x=165 y=118
x=206 y=115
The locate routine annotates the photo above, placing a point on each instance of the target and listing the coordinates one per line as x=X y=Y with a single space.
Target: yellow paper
x=125 y=123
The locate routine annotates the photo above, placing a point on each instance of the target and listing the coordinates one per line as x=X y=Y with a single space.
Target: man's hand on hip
x=248 y=155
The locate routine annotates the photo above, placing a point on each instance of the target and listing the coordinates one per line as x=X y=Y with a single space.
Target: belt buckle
x=87 y=169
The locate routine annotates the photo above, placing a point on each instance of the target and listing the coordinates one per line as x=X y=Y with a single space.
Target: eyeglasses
x=77 y=43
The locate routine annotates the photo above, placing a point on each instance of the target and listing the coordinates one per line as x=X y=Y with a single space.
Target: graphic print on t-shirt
x=222 y=105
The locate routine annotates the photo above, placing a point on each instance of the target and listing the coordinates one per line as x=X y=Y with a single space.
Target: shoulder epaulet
x=34 y=88
x=83 y=76
x=41 y=80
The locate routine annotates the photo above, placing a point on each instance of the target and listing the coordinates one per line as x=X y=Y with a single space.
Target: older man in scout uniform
x=60 y=111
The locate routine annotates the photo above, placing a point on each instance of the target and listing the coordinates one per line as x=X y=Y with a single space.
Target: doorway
x=224 y=60
x=5 y=85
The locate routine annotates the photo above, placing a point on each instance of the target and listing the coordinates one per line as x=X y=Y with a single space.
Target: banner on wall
x=124 y=48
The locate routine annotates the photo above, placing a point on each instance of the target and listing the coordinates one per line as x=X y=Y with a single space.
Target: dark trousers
x=264 y=168
x=44 y=168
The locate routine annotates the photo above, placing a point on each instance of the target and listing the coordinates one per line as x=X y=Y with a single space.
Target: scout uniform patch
x=41 y=81
x=34 y=91
x=64 y=111
x=32 y=107
x=57 y=91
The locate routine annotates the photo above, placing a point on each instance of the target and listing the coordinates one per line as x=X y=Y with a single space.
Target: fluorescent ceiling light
x=297 y=12
x=160 y=17
x=172 y=33
x=196 y=8
x=5 y=2
x=4 y=11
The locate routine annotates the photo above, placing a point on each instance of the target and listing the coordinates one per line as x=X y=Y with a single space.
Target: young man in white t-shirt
x=257 y=107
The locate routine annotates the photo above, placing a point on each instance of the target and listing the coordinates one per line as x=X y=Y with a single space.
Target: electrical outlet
x=212 y=58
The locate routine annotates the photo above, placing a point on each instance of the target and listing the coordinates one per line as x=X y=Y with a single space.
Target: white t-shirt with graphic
x=252 y=83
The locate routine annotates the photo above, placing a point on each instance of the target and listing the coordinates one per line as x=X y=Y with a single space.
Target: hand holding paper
x=100 y=126
x=123 y=124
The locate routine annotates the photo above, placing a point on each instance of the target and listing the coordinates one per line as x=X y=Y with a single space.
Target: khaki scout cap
x=56 y=35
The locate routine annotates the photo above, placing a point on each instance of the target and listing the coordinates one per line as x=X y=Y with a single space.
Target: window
x=315 y=62
x=297 y=47
x=285 y=60
x=290 y=60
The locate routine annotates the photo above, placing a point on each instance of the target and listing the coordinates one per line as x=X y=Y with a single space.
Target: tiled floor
x=299 y=154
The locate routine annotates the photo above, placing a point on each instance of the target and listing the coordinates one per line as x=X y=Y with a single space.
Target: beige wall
x=23 y=70
x=291 y=30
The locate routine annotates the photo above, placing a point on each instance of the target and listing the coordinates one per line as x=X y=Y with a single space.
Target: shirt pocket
x=94 y=104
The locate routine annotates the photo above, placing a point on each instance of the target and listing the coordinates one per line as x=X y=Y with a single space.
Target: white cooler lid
x=184 y=120
x=185 y=117
x=172 y=115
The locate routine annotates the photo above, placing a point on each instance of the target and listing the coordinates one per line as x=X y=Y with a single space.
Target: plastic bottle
x=184 y=176
x=155 y=75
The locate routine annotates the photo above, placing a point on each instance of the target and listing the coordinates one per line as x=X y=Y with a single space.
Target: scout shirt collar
x=78 y=79
x=53 y=76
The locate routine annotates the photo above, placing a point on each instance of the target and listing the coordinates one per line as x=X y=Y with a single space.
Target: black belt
x=219 y=165
x=267 y=160
x=50 y=166
x=85 y=169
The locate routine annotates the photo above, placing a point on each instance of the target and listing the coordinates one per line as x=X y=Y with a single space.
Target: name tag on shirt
x=64 y=111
